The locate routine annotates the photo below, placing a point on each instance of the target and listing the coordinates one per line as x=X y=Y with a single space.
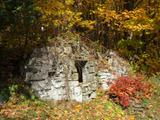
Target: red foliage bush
x=127 y=87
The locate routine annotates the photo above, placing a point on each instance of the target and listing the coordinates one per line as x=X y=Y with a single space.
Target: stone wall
x=113 y=66
x=69 y=70
x=62 y=72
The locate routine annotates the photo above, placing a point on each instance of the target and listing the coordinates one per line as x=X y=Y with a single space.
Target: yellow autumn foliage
x=135 y=20
x=58 y=13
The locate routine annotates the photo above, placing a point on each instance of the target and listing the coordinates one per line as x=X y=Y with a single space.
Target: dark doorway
x=79 y=66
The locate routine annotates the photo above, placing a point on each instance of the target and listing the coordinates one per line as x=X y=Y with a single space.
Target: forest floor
x=101 y=108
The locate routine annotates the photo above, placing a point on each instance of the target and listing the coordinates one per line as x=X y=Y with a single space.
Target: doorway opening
x=79 y=66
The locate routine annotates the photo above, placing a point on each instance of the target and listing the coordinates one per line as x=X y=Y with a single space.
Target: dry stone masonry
x=62 y=73
x=70 y=71
x=116 y=66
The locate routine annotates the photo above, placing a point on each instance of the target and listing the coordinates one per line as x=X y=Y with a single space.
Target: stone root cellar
x=54 y=74
x=69 y=71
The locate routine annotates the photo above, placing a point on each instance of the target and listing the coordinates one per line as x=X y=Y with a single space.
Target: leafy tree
x=18 y=20
x=19 y=32
x=129 y=26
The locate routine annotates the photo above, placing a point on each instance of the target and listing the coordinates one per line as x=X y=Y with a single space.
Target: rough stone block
x=58 y=83
x=91 y=70
x=105 y=86
x=67 y=50
x=86 y=98
x=93 y=95
x=76 y=94
x=93 y=86
x=73 y=83
x=41 y=85
x=74 y=76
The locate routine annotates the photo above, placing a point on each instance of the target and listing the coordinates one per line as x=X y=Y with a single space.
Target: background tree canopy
x=129 y=26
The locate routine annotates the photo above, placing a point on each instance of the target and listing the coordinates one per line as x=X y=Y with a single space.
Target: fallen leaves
x=97 y=109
